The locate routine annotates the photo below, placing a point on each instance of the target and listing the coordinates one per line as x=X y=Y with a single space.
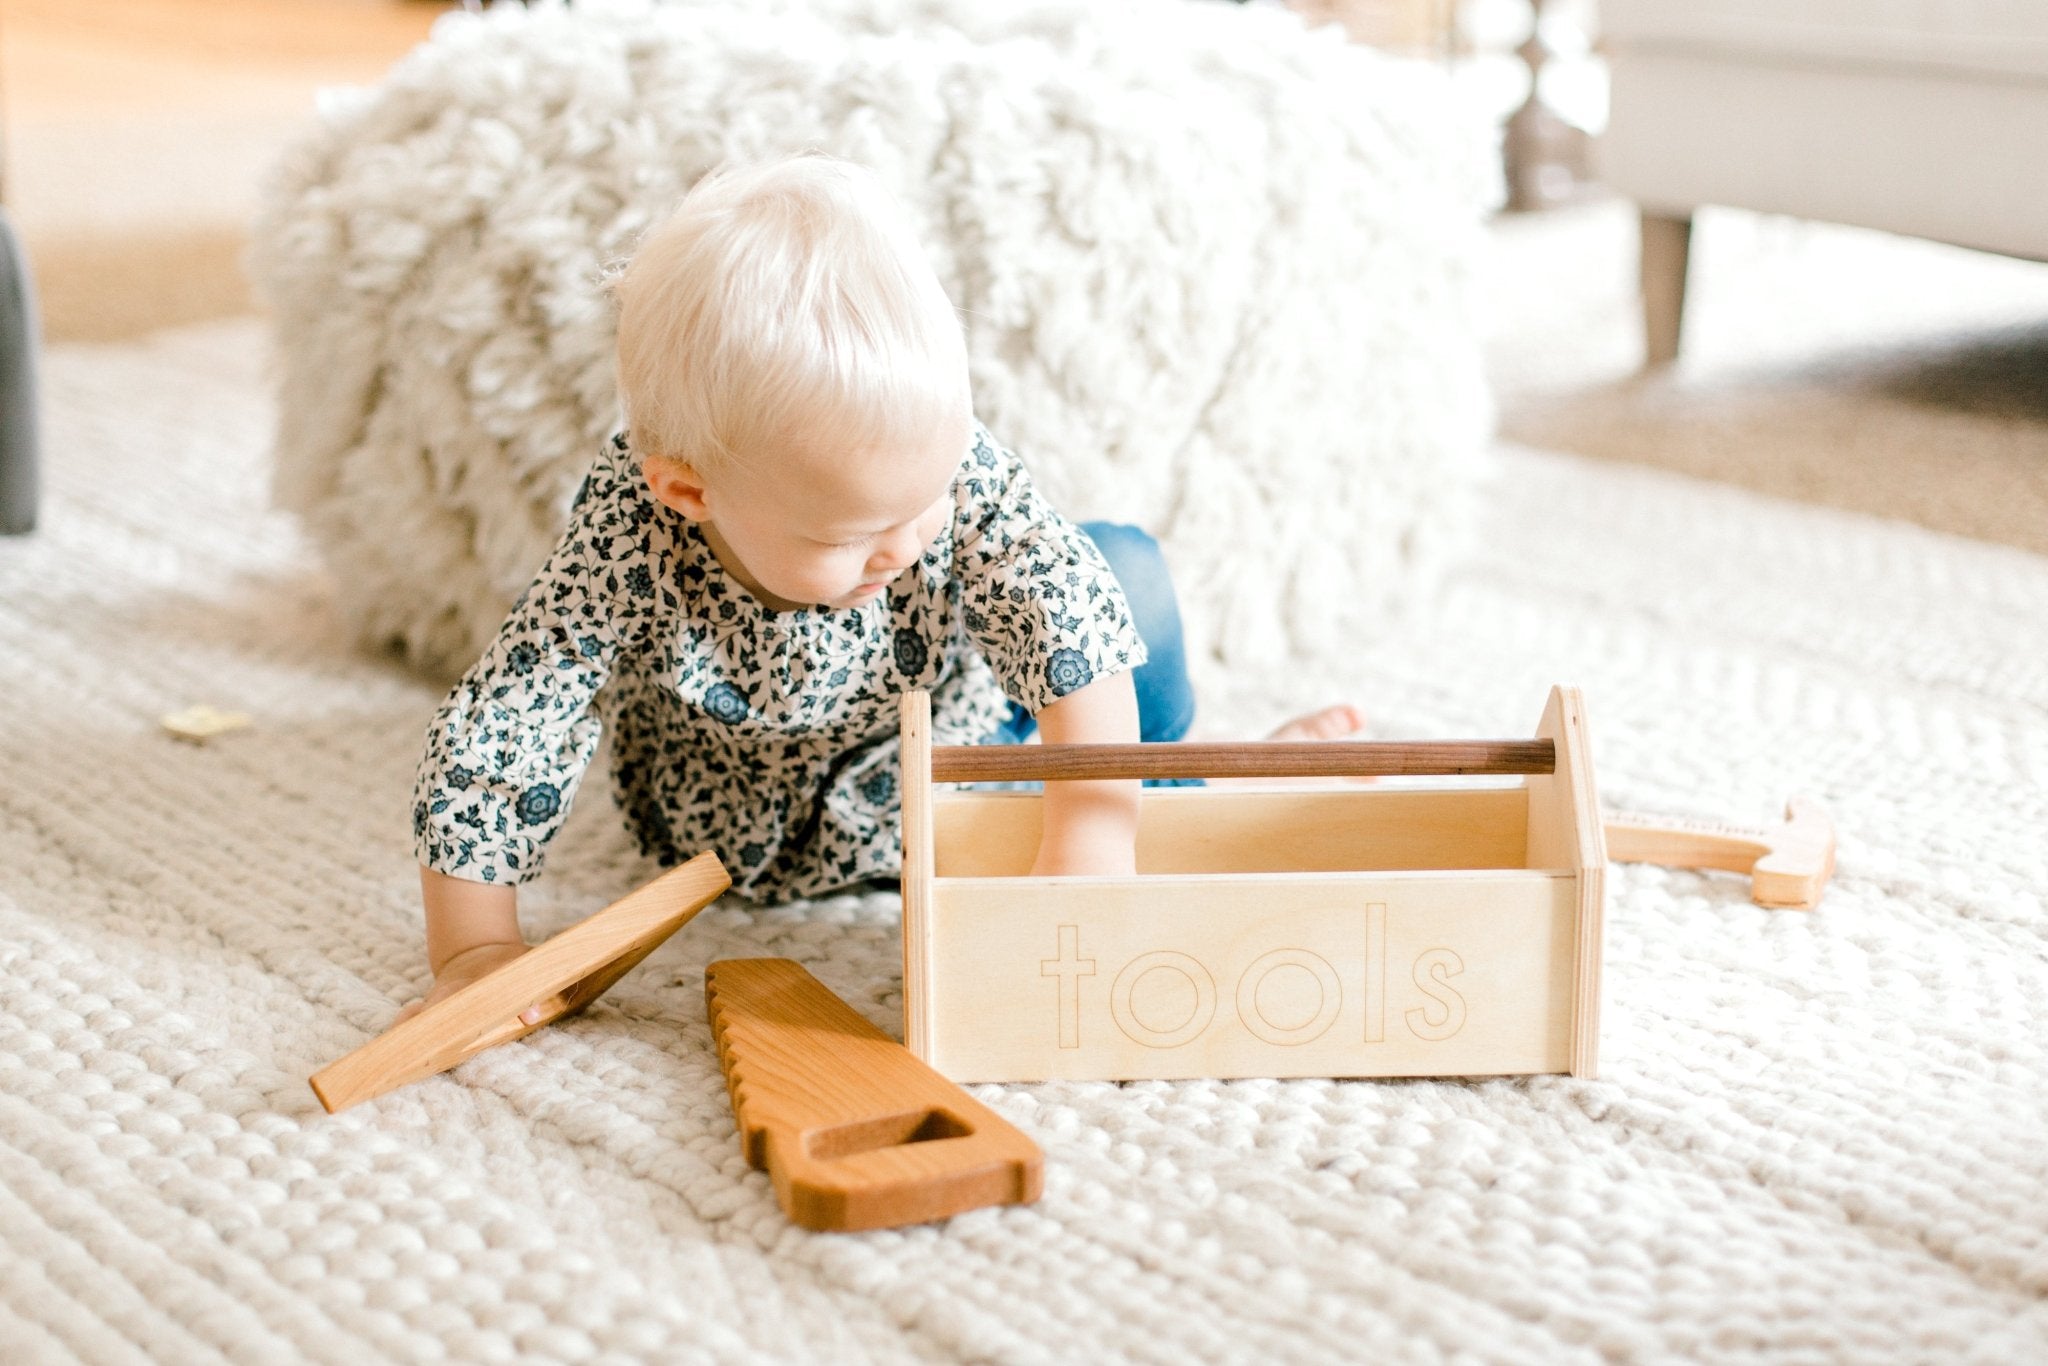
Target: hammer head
x=1798 y=860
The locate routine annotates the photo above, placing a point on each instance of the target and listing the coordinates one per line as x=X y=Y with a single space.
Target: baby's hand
x=468 y=966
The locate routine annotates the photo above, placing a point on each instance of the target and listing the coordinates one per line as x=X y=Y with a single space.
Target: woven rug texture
x=1817 y=1137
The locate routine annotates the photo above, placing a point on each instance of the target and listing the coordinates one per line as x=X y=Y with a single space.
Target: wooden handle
x=576 y=967
x=1788 y=865
x=1241 y=759
x=853 y=1130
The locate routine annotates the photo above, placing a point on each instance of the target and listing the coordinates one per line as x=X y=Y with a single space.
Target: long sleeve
x=508 y=748
x=1037 y=598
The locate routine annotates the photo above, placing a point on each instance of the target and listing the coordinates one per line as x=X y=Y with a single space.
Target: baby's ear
x=676 y=485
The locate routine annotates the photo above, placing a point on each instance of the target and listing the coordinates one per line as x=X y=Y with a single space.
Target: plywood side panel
x=1565 y=832
x=916 y=720
x=1209 y=830
x=1428 y=974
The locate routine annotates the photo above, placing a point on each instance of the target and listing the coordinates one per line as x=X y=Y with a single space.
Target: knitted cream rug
x=1818 y=1137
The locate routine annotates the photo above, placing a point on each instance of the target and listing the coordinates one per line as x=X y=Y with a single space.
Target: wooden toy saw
x=854 y=1132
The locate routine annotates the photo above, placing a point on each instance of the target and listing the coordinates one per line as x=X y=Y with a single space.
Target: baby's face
x=831 y=528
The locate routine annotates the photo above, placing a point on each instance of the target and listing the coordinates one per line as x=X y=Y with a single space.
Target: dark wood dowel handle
x=1242 y=759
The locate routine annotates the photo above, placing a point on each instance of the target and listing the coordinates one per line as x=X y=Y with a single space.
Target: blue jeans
x=1166 y=700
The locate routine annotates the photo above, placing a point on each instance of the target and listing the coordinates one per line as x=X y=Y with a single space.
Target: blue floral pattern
x=1067 y=671
x=726 y=703
x=767 y=736
x=539 y=804
x=910 y=651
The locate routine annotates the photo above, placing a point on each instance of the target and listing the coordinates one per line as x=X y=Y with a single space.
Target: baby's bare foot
x=1341 y=722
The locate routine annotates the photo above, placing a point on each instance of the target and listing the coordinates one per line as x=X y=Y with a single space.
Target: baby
x=802 y=521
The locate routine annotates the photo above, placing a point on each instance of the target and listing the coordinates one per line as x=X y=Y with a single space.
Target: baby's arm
x=472 y=929
x=1046 y=611
x=508 y=748
x=1090 y=827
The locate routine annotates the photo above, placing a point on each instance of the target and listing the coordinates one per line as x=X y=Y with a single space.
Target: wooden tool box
x=1369 y=930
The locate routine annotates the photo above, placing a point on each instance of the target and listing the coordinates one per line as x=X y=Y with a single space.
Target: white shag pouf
x=1215 y=269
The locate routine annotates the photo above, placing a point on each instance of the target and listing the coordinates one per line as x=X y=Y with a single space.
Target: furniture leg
x=1667 y=242
x=1546 y=157
x=18 y=342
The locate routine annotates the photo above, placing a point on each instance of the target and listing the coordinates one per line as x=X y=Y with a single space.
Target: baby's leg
x=1166 y=699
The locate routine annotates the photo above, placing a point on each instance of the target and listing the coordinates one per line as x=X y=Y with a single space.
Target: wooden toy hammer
x=1788 y=865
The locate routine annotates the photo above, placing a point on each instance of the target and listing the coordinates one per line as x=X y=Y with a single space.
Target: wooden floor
x=73 y=58
x=137 y=132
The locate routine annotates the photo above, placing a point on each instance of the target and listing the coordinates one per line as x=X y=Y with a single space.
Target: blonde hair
x=781 y=303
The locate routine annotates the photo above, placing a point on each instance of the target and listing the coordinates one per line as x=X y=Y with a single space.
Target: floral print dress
x=769 y=737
